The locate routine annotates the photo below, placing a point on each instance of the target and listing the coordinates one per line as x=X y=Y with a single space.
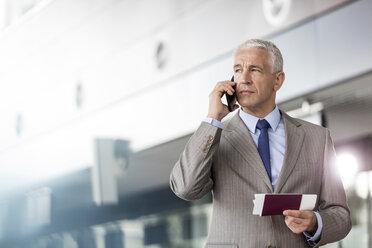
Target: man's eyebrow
x=255 y=66
x=251 y=66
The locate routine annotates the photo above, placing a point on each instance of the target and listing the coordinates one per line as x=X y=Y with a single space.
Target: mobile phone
x=231 y=100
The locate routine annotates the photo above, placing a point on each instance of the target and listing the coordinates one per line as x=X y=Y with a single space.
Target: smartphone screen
x=231 y=100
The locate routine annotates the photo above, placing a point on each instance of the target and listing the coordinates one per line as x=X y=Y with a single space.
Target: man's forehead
x=250 y=55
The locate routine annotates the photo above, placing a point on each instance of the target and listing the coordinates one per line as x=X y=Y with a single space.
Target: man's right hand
x=218 y=110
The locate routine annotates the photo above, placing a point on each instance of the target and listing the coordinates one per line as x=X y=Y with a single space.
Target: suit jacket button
x=205 y=149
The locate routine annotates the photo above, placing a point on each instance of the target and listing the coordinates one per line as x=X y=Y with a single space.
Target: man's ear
x=279 y=79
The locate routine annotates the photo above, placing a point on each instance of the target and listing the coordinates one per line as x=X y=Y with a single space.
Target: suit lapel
x=237 y=134
x=294 y=140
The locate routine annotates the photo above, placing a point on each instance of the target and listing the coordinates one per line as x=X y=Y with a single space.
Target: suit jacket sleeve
x=332 y=203
x=191 y=176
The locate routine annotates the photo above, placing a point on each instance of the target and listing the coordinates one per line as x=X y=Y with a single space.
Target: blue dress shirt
x=277 y=149
x=276 y=138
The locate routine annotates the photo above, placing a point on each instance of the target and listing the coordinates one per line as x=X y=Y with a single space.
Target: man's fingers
x=225 y=88
x=295 y=224
x=300 y=220
x=232 y=83
x=228 y=84
x=293 y=213
x=294 y=220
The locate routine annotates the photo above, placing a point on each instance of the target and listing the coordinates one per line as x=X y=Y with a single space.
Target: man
x=261 y=150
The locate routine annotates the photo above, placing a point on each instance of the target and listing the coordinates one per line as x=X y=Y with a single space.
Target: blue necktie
x=263 y=144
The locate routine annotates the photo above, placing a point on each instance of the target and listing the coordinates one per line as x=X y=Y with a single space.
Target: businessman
x=261 y=150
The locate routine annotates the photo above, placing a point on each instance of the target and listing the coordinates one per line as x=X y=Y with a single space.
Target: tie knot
x=262 y=124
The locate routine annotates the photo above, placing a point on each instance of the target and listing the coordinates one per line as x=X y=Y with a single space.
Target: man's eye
x=255 y=70
x=238 y=70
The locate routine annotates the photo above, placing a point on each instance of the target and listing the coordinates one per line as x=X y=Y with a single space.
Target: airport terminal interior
x=98 y=99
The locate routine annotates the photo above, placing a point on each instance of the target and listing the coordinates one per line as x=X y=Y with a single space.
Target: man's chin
x=246 y=104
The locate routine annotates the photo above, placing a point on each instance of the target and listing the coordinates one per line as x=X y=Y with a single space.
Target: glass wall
x=185 y=228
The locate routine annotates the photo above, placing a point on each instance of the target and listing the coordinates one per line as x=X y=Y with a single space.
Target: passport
x=275 y=204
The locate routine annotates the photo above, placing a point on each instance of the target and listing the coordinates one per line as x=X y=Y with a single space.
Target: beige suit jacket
x=226 y=162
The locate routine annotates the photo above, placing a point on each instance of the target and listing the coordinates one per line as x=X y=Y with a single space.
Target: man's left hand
x=301 y=221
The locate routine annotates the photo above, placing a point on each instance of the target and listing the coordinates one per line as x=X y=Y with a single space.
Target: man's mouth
x=246 y=92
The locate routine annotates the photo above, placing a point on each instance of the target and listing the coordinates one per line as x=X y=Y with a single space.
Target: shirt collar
x=251 y=121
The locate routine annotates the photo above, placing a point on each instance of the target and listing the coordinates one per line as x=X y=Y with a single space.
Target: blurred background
x=99 y=97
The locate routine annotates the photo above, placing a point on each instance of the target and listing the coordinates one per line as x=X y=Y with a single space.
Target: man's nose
x=244 y=77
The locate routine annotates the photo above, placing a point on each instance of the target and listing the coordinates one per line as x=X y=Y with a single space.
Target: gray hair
x=275 y=54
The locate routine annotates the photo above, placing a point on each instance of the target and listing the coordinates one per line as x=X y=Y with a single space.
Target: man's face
x=256 y=84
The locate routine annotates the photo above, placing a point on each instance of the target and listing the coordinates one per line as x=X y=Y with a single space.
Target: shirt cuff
x=318 y=232
x=213 y=122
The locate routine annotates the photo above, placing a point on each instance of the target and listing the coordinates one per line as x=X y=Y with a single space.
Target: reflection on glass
x=360 y=207
x=186 y=228
x=347 y=165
